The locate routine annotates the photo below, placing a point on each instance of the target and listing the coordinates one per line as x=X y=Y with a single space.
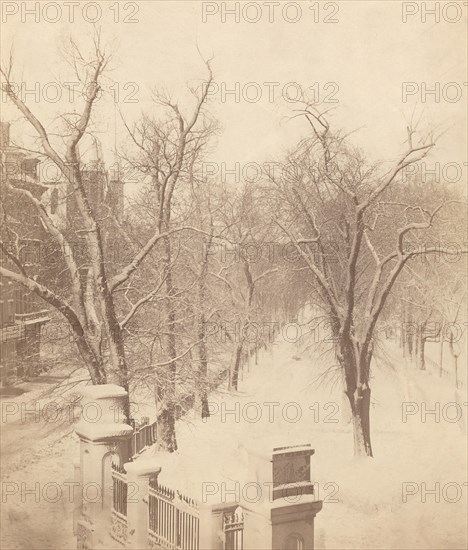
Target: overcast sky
x=361 y=60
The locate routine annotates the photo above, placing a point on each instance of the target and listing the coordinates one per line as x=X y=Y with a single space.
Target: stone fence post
x=139 y=474
x=293 y=520
x=104 y=439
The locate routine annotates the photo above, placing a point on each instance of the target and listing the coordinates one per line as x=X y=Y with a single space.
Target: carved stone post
x=104 y=439
x=139 y=474
x=294 y=505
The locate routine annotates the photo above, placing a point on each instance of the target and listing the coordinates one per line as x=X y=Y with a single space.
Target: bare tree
x=353 y=236
x=246 y=235
x=86 y=316
x=166 y=150
x=90 y=303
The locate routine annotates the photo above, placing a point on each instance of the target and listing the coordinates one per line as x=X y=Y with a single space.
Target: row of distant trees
x=199 y=273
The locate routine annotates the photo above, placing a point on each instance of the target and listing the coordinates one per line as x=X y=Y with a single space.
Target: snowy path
x=38 y=450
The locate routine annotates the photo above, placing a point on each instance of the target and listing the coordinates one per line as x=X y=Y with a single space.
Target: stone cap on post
x=291 y=471
x=145 y=467
x=102 y=417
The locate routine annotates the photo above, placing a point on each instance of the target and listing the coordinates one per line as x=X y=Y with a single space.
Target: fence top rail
x=171 y=495
x=119 y=472
x=233 y=518
x=142 y=423
x=120 y=517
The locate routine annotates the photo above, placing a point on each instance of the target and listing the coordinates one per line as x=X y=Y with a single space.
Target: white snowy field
x=412 y=494
x=384 y=502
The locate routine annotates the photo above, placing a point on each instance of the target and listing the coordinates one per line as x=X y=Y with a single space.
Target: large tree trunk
x=166 y=399
x=203 y=367
x=356 y=365
x=237 y=359
x=202 y=382
x=360 y=407
x=166 y=388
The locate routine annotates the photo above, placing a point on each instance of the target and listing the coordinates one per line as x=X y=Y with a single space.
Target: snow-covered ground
x=380 y=503
x=38 y=448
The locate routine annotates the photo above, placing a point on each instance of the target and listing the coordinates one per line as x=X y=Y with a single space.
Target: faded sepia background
x=367 y=55
x=378 y=67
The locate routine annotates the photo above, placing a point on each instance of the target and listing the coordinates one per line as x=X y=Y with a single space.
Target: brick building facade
x=22 y=313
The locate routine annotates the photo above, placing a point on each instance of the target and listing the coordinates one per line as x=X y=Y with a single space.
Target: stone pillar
x=104 y=439
x=257 y=534
x=139 y=474
x=208 y=524
x=291 y=471
x=294 y=505
x=293 y=525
